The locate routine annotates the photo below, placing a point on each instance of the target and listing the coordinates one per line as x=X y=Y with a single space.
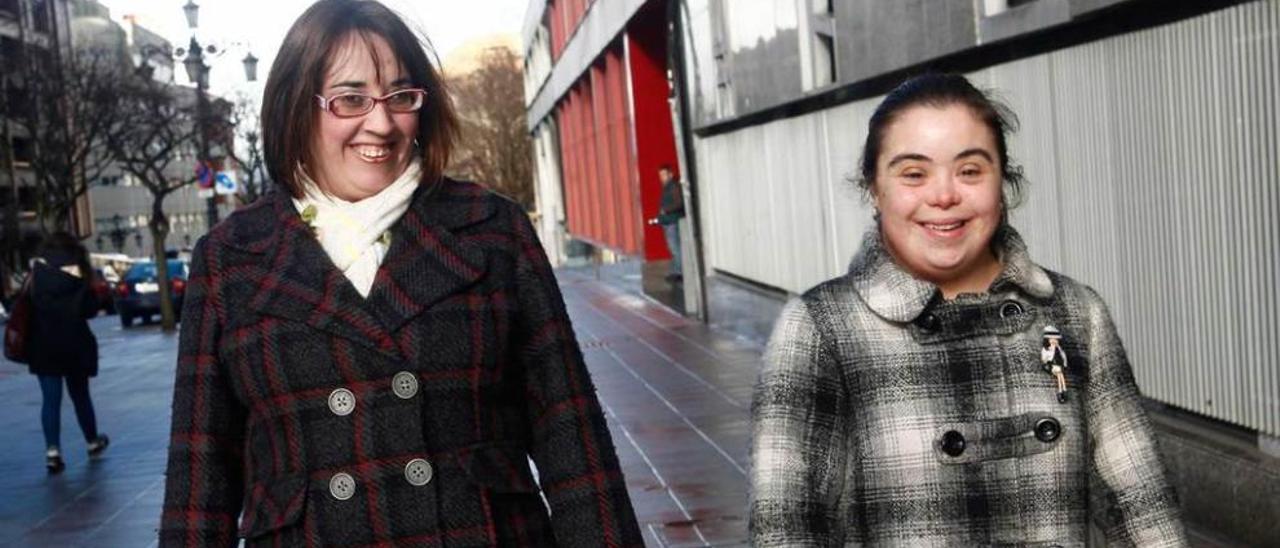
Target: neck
x=975 y=280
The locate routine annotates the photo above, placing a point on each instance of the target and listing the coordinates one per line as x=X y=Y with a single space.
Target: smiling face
x=354 y=158
x=937 y=188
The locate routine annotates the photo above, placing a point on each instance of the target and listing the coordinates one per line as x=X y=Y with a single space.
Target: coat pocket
x=273 y=505
x=501 y=468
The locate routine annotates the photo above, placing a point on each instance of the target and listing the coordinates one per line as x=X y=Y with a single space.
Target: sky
x=262 y=24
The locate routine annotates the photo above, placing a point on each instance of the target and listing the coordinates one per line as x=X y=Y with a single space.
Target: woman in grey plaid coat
x=907 y=402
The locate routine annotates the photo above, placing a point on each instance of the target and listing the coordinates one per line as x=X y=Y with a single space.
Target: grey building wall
x=876 y=37
x=1151 y=157
x=738 y=81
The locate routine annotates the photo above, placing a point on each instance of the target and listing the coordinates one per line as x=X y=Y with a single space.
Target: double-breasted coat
x=887 y=416
x=403 y=419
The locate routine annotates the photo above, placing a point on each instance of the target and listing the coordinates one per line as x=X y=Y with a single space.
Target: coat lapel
x=895 y=295
x=301 y=284
x=428 y=260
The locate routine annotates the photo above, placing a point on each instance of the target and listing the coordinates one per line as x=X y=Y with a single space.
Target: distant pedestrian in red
x=62 y=348
x=371 y=354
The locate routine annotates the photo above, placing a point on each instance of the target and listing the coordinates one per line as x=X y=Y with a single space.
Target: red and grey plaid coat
x=285 y=407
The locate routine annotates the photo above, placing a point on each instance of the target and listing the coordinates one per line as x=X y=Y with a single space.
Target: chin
x=941 y=265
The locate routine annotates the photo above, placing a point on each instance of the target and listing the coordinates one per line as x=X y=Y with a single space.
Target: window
x=9 y=8
x=22 y=151
x=42 y=15
x=818 y=44
x=993 y=7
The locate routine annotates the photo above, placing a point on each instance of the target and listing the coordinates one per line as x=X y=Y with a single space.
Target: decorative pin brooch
x=1054 y=359
x=309 y=217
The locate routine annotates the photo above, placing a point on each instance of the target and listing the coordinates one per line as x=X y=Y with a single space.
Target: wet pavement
x=676 y=393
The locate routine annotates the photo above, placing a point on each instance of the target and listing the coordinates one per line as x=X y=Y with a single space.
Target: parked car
x=138 y=293
x=102 y=290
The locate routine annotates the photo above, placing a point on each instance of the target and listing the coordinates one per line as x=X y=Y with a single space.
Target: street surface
x=676 y=394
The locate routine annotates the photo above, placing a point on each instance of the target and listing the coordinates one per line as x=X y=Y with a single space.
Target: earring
x=416 y=144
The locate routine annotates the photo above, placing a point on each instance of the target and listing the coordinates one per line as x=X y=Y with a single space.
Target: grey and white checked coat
x=888 y=416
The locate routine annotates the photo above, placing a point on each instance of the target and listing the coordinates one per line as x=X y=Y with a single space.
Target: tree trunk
x=159 y=226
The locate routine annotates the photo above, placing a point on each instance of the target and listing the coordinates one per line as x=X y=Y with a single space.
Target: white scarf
x=351 y=233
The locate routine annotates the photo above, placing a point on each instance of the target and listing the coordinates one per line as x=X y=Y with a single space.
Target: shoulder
x=801 y=321
x=1075 y=295
x=831 y=299
x=463 y=206
x=250 y=228
x=1076 y=303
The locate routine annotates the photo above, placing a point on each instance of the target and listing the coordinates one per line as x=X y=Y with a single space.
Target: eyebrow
x=357 y=84
x=922 y=158
x=908 y=156
x=976 y=152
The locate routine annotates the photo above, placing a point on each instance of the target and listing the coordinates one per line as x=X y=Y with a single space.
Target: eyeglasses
x=351 y=105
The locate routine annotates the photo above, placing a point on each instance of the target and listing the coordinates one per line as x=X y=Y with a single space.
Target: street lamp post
x=198 y=72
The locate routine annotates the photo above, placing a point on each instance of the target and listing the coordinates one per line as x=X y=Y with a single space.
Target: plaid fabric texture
x=467 y=306
x=866 y=376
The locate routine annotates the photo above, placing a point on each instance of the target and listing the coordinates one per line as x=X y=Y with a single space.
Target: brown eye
x=913 y=175
x=351 y=101
x=407 y=100
x=351 y=104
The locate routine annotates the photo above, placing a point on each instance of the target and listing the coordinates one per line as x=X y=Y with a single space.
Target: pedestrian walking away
x=61 y=350
x=948 y=391
x=372 y=353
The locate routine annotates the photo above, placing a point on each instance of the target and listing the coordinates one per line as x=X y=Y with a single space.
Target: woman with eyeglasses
x=372 y=354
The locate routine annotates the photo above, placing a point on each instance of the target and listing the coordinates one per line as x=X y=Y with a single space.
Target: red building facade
x=607 y=103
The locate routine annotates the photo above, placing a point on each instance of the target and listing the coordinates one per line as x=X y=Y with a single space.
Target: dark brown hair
x=289 y=111
x=942 y=90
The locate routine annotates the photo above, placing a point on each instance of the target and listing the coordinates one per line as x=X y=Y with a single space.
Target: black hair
x=941 y=90
x=66 y=247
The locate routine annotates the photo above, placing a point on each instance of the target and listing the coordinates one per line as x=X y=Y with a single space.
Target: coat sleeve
x=577 y=467
x=798 y=438
x=1141 y=507
x=203 y=484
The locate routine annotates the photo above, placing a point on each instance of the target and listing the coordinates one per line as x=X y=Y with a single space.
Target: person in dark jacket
x=371 y=354
x=670 y=211
x=61 y=346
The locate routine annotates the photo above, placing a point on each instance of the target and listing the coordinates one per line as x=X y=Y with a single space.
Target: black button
x=1010 y=309
x=1048 y=429
x=953 y=443
x=929 y=322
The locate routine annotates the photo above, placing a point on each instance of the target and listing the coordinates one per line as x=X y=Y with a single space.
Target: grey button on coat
x=888 y=416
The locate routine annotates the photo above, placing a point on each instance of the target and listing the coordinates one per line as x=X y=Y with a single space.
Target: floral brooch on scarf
x=309 y=217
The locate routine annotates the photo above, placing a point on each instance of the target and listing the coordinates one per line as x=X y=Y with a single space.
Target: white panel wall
x=548 y=195
x=1154 y=167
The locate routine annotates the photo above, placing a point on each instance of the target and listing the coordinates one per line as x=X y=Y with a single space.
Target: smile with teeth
x=373 y=153
x=948 y=227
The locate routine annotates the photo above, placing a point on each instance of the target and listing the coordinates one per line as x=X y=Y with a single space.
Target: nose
x=378 y=120
x=942 y=193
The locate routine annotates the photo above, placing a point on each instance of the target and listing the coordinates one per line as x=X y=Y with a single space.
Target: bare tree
x=153 y=143
x=496 y=148
x=245 y=126
x=65 y=106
